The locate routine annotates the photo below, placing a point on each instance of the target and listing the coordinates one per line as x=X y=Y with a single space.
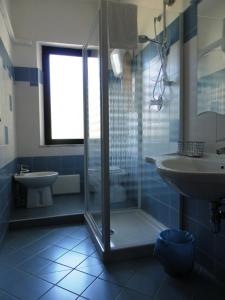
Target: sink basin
x=37 y=179
x=202 y=178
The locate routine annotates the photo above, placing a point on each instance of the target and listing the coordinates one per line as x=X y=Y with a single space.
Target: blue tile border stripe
x=6 y=197
x=190 y=22
x=7 y=63
x=27 y=74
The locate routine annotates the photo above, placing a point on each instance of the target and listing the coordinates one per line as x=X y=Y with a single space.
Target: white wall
x=7 y=151
x=51 y=21
x=58 y=21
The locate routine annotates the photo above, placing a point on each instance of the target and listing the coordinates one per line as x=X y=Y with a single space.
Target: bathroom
x=146 y=84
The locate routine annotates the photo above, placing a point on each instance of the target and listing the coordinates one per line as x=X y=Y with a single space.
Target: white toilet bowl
x=38 y=187
x=117 y=190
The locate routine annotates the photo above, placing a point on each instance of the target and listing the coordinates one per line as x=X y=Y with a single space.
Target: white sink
x=193 y=177
x=37 y=179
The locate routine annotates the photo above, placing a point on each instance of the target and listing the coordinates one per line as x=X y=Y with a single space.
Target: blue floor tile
x=139 y=279
x=71 y=259
x=69 y=230
x=150 y=267
x=54 y=272
x=176 y=290
x=36 y=247
x=53 y=252
x=57 y=293
x=92 y=266
x=132 y=295
x=34 y=265
x=14 y=259
x=86 y=247
x=79 y=233
x=76 y=282
x=4 y=296
x=142 y=283
x=30 y=288
x=118 y=273
x=5 y=250
x=52 y=237
x=68 y=243
x=9 y=276
x=102 y=290
x=20 y=241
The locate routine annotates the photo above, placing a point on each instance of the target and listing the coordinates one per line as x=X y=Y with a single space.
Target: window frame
x=46 y=52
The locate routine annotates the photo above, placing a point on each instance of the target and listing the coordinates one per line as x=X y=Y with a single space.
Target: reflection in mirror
x=3 y=96
x=211 y=56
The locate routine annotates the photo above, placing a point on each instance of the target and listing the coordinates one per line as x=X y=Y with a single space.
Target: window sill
x=61 y=145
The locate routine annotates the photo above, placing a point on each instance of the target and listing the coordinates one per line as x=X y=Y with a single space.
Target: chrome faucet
x=23 y=169
x=220 y=150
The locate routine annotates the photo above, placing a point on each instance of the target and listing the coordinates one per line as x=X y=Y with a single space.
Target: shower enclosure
x=132 y=110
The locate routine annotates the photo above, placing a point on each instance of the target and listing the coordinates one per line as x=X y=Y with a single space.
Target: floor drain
x=112 y=231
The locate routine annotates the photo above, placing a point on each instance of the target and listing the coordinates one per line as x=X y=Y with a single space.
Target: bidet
x=38 y=187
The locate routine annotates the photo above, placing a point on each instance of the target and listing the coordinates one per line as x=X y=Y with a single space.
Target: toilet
x=117 y=190
x=38 y=186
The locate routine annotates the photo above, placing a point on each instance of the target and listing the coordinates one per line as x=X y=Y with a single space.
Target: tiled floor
x=62 y=205
x=61 y=263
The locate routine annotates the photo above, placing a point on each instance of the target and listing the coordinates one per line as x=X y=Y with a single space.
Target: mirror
x=211 y=56
x=5 y=102
x=1 y=101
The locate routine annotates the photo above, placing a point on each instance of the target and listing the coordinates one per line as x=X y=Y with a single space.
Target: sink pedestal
x=39 y=197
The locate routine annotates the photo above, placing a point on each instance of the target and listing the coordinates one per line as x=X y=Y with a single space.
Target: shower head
x=142 y=39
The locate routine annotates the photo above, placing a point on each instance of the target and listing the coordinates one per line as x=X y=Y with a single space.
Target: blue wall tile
x=40 y=164
x=64 y=165
x=34 y=77
x=190 y=22
x=7 y=63
x=210 y=246
x=158 y=199
x=54 y=163
x=6 y=196
x=28 y=74
x=22 y=74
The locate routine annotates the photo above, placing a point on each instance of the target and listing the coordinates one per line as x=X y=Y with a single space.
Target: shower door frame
x=102 y=241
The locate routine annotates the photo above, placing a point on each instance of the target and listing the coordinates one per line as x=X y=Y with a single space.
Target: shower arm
x=166 y=3
x=164 y=22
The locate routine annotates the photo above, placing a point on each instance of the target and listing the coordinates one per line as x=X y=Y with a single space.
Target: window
x=63 y=95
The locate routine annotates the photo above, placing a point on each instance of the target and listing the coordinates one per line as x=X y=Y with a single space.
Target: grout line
x=7 y=293
x=159 y=289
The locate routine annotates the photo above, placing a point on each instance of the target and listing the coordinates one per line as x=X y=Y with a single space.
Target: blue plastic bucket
x=175 y=250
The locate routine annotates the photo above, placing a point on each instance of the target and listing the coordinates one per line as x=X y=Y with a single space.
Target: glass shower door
x=93 y=141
